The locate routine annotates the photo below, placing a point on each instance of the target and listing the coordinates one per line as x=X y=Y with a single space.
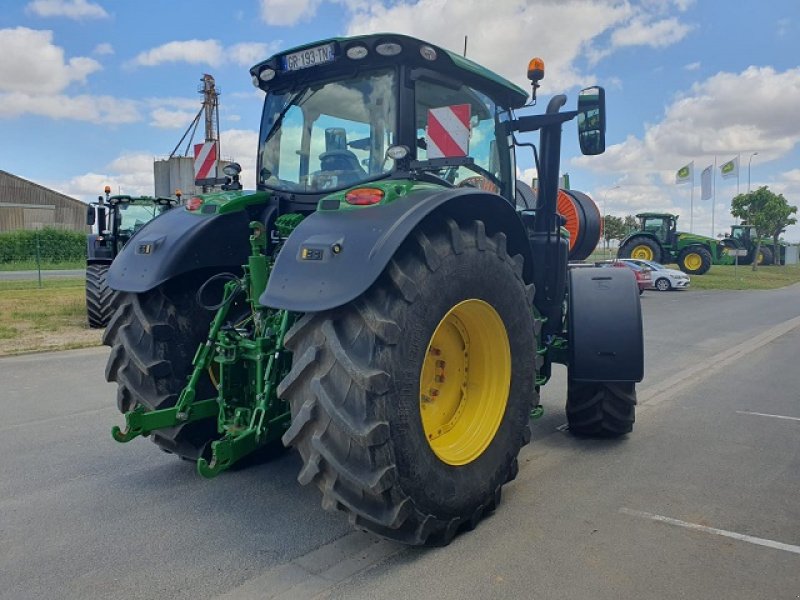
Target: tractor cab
x=662 y=226
x=742 y=234
x=354 y=111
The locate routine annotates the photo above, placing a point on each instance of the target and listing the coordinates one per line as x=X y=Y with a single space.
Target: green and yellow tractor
x=389 y=300
x=114 y=220
x=657 y=239
x=746 y=236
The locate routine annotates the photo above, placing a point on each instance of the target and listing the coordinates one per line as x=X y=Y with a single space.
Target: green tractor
x=657 y=239
x=745 y=235
x=114 y=219
x=402 y=297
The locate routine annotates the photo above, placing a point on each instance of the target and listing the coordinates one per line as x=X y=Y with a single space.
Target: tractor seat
x=340 y=160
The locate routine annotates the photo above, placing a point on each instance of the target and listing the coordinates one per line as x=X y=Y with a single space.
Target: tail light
x=364 y=196
x=194 y=203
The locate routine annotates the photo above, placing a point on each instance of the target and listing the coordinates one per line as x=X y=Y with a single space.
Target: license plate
x=308 y=58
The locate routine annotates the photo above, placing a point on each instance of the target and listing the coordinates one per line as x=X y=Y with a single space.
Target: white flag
x=705 y=183
x=730 y=168
x=685 y=174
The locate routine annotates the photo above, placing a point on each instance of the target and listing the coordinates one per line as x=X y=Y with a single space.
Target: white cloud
x=210 y=52
x=93 y=109
x=191 y=51
x=130 y=173
x=103 y=49
x=171 y=119
x=249 y=53
x=287 y=12
x=72 y=9
x=31 y=63
x=241 y=145
x=658 y=34
x=504 y=37
x=692 y=66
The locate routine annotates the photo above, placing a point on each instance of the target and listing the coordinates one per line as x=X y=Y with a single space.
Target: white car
x=664 y=279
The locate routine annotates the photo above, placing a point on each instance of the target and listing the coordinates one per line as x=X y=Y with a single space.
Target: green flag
x=730 y=168
x=685 y=174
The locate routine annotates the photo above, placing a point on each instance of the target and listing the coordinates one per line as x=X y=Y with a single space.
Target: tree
x=630 y=223
x=613 y=228
x=767 y=212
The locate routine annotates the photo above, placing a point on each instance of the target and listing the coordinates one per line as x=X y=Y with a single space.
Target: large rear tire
x=447 y=327
x=601 y=409
x=641 y=247
x=153 y=338
x=100 y=299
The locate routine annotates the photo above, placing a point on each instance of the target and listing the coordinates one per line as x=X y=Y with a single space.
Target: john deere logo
x=683 y=173
x=727 y=168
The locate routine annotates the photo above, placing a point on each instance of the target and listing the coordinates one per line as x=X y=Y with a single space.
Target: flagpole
x=713 y=194
x=691 y=204
x=738 y=161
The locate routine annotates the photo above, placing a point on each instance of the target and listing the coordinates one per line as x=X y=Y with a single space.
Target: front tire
x=358 y=388
x=767 y=257
x=100 y=299
x=663 y=284
x=153 y=337
x=694 y=260
x=601 y=409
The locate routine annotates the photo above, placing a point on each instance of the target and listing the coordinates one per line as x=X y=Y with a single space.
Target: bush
x=54 y=246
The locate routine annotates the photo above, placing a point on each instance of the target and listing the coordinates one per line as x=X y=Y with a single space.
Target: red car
x=643 y=275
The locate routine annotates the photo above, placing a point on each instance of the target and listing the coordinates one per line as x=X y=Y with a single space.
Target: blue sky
x=91 y=91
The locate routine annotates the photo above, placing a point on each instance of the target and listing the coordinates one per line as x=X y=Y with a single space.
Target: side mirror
x=592 y=120
x=90 y=216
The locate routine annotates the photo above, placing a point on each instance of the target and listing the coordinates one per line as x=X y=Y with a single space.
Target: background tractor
x=745 y=235
x=658 y=240
x=389 y=300
x=114 y=220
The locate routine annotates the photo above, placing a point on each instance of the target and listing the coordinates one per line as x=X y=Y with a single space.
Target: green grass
x=728 y=277
x=50 y=318
x=30 y=265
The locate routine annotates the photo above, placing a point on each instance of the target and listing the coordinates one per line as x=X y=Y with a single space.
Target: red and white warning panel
x=205 y=160
x=448 y=131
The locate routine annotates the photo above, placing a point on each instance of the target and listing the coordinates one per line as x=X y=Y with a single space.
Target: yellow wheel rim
x=760 y=260
x=642 y=252
x=464 y=382
x=693 y=261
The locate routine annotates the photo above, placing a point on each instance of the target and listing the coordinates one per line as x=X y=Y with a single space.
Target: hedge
x=54 y=245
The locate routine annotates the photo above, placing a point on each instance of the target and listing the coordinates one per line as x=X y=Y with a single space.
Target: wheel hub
x=693 y=261
x=464 y=382
x=642 y=252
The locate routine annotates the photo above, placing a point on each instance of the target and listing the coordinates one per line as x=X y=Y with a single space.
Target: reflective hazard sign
x=448 y=131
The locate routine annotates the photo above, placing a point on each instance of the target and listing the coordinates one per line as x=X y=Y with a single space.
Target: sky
x=92 y=91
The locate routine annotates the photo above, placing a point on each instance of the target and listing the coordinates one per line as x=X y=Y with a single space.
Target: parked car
x=664 y=278
x=643 y=275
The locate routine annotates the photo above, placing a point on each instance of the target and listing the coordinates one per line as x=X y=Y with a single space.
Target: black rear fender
x=605 y=326
x=332 y=257
x=179 y=242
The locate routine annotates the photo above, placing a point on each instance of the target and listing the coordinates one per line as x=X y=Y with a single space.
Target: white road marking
x=758 y=414
x=713 y=530
x=563 y=427
x=668 y=388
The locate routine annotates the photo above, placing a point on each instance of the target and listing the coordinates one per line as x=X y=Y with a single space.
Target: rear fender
x=178 y=242
x=332 y=257
x=605 y=326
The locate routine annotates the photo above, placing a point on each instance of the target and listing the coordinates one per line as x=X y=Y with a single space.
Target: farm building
x=28 y=205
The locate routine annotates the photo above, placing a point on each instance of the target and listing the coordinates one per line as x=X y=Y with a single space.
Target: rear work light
x=194 y=203
x=364 y=196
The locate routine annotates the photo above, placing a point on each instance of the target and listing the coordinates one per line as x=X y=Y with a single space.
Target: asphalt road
x=701 y=501
x=17 y=275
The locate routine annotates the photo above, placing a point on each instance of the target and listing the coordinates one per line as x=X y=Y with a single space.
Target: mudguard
x=605 y=326
x=332 y=257
x=178 y=242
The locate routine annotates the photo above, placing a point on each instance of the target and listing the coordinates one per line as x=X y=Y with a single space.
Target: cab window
x=493 y=161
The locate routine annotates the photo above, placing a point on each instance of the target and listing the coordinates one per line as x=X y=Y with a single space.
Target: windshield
x=328 y=136
x=133 y=216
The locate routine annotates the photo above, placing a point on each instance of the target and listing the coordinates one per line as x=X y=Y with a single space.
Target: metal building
x=28 y=205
